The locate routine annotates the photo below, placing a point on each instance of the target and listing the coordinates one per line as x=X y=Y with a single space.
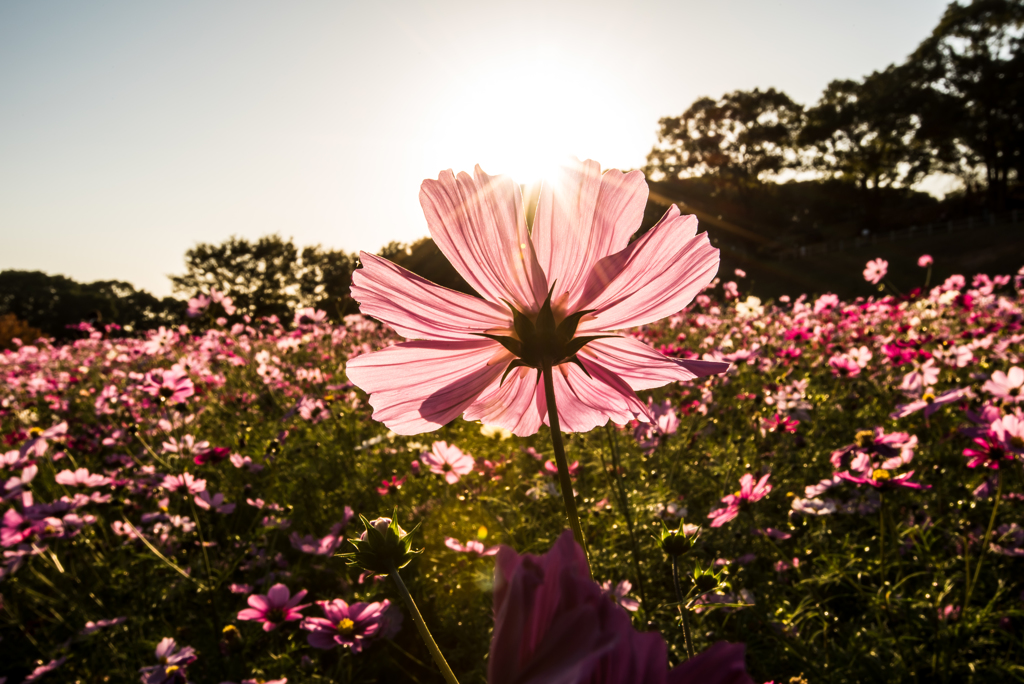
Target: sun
x=521 y=116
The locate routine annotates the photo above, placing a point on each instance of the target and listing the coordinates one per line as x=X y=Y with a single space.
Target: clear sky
x=129 y=131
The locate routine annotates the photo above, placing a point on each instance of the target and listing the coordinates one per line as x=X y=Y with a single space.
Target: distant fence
x=1007 y=220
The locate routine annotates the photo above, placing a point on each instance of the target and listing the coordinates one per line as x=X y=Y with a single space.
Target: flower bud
x=677 y=542
x=383 y=548
x=706 y=580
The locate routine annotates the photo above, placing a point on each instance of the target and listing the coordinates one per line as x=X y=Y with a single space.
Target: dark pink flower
x=214 y=455
x=344 y=624
x=552 y=623
x=390 y=487
x=274 y=608
x=579 y=257
x=748 y=493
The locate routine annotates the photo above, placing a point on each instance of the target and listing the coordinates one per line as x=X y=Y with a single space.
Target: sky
x=131 y=131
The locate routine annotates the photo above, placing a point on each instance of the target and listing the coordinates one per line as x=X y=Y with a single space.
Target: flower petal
x=416 y=387
x=587 y=402
x=722 y=663
x=417 y=308
x=479 y=224
x=277 y=596
x=654 y=277
x=516 y=404
x=582 y=217
x=644 y=368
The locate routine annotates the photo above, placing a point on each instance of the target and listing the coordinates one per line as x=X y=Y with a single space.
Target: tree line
x=956 y=106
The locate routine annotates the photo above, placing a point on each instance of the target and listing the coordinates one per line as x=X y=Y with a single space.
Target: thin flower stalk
x=421 y=627
x=684 y=612
x=984 y=542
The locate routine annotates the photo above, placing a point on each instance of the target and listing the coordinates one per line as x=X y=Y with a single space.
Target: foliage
x=11 y=328
x=51 y=303
x=101 y=522
x=270 y=276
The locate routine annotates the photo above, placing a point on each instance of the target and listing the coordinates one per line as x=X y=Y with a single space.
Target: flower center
x=35 y=432
x=540 y=341
x=863 y=438
x=928 y=396
x=346 y=627
x=1017 y=442
x=880 y=475
x=275 y=615
x=1014 y=391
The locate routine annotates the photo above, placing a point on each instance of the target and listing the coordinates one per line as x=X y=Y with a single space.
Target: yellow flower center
x=880 y=474
x=346 y=626
x=928 y=396
x=172 y=669
x=863 y=438
x=35 y=432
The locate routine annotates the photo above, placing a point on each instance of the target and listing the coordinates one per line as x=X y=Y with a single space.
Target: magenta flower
x=988 y=451
x=576 y=263
x=552 y=623
x=749 y=492
x=449 y=461
x=863 y=470
x=843 y=366
x=274 y=608
x=876 y=270
x=40 y=440
x=344 y=624
x=214 y=455
x=1007 y=386
x=172 y=663
x=390 y=487
x=924 y=260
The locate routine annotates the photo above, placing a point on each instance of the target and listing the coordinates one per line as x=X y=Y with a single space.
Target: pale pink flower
x=449 y=461
x=45 y=669
x=40 y=441
x=472 y=546
x=740 y=273
x=216 y=502
x=172 y=663
x=81 y=477
x=552 y=623
x=930 y=402
x=1007 y=386
x=579 y=252
x=324 y=546
x=274 y=608
x=190 y=482
x=620 y=594
x=749 y=492
x=171 y=385
x=924 y=260
x=876 y=270
x=309 y=316
x=91 y=626
x=843 y=366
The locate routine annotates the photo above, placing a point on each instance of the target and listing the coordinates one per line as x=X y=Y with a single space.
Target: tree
x=743 y=138
x=51 y=303
x=270 y=276
x=973 y=62
x=867 y=132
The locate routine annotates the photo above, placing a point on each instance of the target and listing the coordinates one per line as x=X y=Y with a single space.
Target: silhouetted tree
x=51 y=303
x=973 y=62
x=867 y=132
x=270 y=276
x=742 y=138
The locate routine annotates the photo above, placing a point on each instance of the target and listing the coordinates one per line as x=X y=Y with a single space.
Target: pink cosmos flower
x=930 y=402
x=216 y=502
x=559 y=291
x=274 y=608
x=863 y=470
x=344 y=624
x=620 y=594
x=309 y=316
x=472 y=546
x=390 y=487
x=876 y=270
x=749 y=492
x=45 y=669
x=325 y=546
x=843 y=366
x=214 y=455
x=450 y=461
x=552 y=623
x=81 y=477
x=924 y=260
x=172 y=663
x=191 y=484
x=91 y=626
x=171 y=385
x=1009 y=430
x=40 y=441
x=1007 y=386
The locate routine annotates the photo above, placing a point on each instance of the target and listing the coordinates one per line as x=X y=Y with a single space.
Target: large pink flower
x=577 y=263
x=552 y=623
x=449 y=461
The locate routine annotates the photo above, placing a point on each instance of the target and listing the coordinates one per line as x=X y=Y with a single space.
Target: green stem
x=202 y=542
x=881 y=534
x=564 y=482
x=624 y=503
x=684 y=612
x=421 y=626
x=984 y=542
